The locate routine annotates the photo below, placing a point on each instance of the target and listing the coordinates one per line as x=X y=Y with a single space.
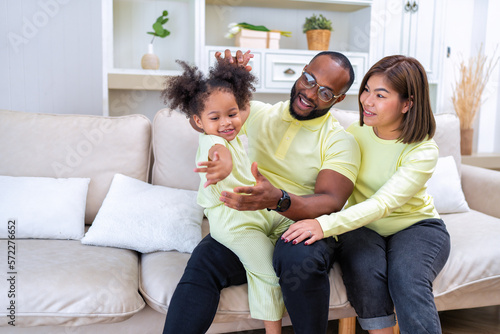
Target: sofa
x=54 y=283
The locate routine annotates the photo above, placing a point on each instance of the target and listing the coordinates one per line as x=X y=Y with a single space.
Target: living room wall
x=468 y=25
x=51 y=59
x=51 y=56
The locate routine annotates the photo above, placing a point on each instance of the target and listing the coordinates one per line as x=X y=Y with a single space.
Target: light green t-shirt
x=241 y=174
x=390 y=192
x=291 y=153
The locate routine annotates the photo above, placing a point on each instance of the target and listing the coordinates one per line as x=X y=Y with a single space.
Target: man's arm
x=331 y=191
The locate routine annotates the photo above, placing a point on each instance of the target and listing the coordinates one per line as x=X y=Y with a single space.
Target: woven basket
x=318 y=39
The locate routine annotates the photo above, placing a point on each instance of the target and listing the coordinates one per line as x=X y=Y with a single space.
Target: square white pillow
x=446 y=188
x=147 y=218
x=43 y=207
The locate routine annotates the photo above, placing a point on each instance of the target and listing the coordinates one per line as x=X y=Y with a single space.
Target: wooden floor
x=485 y=320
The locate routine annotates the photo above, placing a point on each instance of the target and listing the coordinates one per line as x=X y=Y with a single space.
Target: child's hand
x=216 y=169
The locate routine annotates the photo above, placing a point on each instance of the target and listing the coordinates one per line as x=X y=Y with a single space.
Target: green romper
x=251 y=235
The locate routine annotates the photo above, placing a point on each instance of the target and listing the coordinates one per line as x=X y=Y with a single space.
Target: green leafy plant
x=159 y=31
x=317 y=22
x=234 y=28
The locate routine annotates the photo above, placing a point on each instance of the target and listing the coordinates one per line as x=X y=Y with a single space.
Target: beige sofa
x=62 y=286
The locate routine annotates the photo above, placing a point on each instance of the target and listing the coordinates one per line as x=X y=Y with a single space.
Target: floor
x=485 y=320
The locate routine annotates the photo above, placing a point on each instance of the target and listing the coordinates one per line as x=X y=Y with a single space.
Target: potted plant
x=150 y=60
x=318 y=30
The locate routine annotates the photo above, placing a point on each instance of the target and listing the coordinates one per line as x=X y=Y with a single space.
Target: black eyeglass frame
x=309 y=78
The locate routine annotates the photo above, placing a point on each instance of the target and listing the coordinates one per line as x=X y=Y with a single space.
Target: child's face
x=221 y=116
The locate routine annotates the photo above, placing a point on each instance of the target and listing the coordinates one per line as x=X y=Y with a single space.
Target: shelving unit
x=198 y=28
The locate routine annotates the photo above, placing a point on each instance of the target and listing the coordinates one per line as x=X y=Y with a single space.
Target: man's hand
x=308 y=229
x=262 y=195
x=241 y=59
x=216 y=169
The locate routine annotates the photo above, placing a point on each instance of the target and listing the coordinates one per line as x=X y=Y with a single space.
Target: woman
x=391 y=241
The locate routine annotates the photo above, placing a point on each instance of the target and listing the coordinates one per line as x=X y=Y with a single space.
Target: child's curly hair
x=188 y=92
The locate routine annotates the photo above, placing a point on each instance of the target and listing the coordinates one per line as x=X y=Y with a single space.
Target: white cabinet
x=277 y=70
x=412 y=28
x=197 y=32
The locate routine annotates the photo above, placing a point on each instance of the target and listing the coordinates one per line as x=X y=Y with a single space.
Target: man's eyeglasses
x=325 y=94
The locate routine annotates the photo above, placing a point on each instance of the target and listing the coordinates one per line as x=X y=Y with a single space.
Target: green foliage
x=249 y=26
x=317 y=22
x=234 y=28
x=159 y=31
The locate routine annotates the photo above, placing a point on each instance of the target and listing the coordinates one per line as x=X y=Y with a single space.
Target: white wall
x=488 y=134
x=470 y=23
x=51 y=56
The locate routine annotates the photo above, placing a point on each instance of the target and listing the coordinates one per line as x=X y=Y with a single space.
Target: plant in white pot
x=318 y=30
x=150 y=60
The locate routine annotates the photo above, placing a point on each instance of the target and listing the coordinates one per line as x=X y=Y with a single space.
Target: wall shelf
x=321 y=5
x=134 y=79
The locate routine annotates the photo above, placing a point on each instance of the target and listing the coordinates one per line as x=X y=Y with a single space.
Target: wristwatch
x=284 y=202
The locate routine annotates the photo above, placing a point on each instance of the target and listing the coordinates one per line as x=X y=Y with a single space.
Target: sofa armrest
x=481 y=188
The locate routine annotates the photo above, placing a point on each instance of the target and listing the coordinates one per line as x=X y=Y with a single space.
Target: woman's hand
x=241 y=59
x=307 y=229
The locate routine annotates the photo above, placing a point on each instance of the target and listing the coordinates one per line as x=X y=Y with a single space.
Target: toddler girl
x=218 y=104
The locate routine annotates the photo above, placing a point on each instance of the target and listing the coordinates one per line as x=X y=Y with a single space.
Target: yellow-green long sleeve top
x=390 y=191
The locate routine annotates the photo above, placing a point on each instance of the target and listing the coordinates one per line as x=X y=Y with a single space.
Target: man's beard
x=315 y=113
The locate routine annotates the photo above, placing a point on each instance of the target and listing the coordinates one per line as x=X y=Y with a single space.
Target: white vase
x=150 y=61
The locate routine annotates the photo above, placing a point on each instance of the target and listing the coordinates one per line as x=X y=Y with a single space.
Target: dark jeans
x=303 y=272
x=383 y=273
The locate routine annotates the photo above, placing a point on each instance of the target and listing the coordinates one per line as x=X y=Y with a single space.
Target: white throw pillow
x=446 y=188
x=42 y=207
x=147 y=218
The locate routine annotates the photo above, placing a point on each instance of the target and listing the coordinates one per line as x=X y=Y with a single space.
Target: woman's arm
x=409 y=179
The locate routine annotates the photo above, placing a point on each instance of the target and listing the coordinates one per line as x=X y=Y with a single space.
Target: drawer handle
x=408 y=6
x=289 y=71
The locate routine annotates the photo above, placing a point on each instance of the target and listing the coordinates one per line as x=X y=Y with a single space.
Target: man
x=306 y=166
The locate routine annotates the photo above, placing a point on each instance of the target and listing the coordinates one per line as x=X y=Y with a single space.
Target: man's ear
x=342 y=97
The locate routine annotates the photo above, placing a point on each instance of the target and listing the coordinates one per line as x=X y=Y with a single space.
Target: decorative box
x=253 y=39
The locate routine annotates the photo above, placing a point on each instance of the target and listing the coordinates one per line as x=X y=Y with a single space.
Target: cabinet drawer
x=255 y=62
x=282 y=70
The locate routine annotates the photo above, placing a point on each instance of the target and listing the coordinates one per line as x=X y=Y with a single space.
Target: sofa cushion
x=65 y=146
x=160 y=273
x=471 y=277
x=43 y=207
x=174 y=155
x=445 y=187
x=62 y=282
x=147 y=218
